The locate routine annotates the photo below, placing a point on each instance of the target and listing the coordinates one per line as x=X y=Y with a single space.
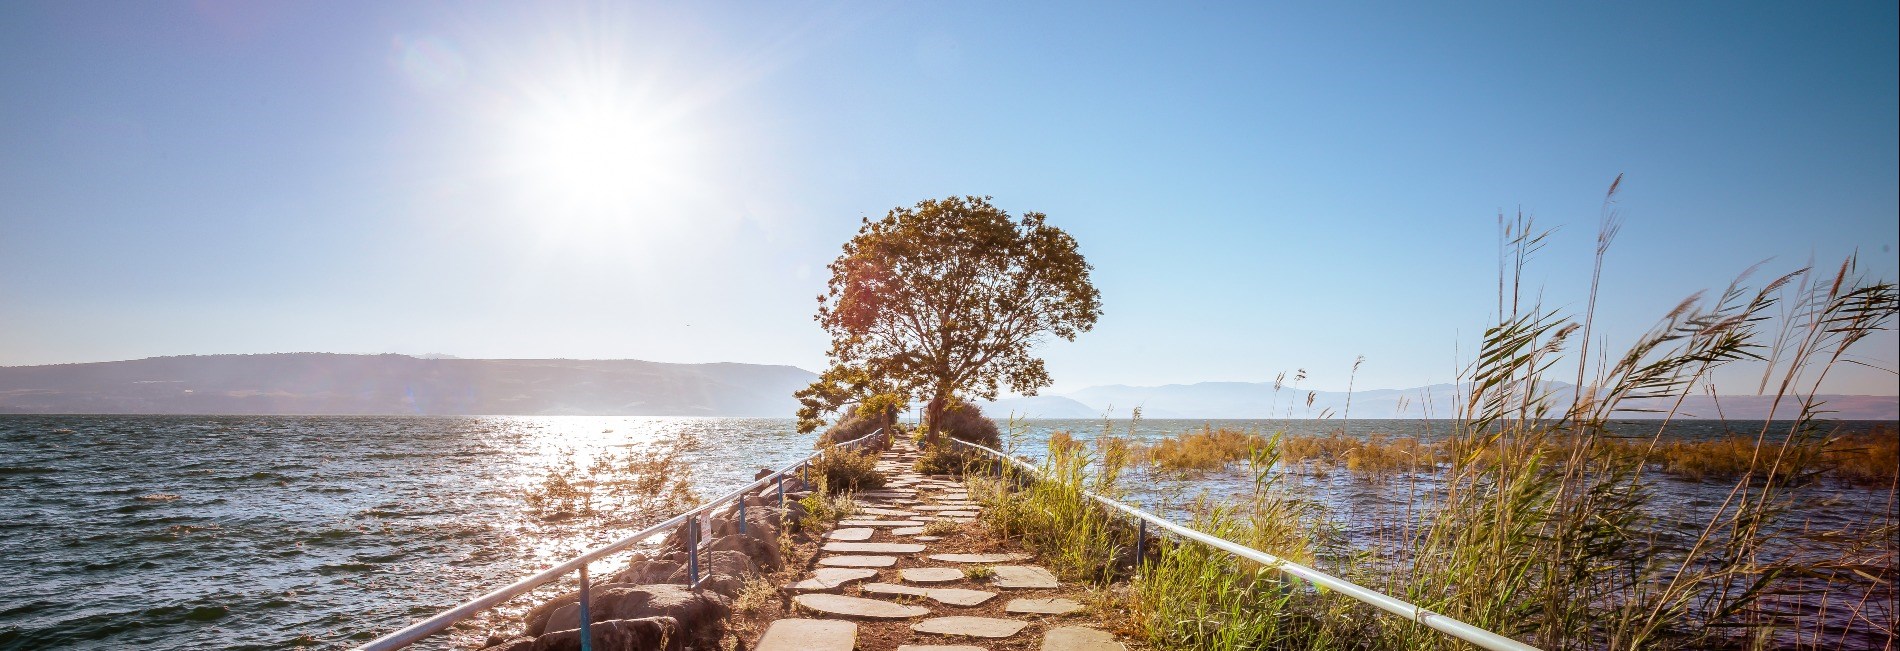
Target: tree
x=946 y=299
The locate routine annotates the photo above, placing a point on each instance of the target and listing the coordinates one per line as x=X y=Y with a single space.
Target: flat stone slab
x=853 y=533
x=858 y=561
x=843 y=606
x=939 y=647
x=956 y=514
x=881 y=523
x=907 y=531
x=830 y=578
x=970 y=626
x=872 y=510
x=1076 y=638
x=945 y=507
x=931 y=574
x=979 y=558
x=873 y=548
x=949 y=596
x=1051 y=606
x=1022 y=576
x=928 y=538
x=809 y=635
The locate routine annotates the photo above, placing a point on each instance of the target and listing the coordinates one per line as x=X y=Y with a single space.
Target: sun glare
x=592 y=159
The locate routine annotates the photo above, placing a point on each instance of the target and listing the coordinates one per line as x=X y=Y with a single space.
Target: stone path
x=878 y=584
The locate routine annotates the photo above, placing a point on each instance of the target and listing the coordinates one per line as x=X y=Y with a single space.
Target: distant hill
x=323 y=383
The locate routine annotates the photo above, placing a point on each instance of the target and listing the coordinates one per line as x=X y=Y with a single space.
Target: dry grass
x=1202 y=451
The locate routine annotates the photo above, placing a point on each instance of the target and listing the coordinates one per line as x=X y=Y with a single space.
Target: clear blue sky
x=1261 y=186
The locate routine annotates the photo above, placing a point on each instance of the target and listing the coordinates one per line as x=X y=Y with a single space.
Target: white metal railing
x=1447 y=625
x=419 y=630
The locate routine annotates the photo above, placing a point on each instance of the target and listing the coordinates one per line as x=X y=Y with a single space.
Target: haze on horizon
x=1260 y=189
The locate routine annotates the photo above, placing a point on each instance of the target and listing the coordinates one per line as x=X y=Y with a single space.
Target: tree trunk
x=932 y=413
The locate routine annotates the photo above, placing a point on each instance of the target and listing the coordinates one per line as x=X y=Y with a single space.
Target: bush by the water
x=848 y=470
x=860 y=422
x=965 y=421
x=945 y=458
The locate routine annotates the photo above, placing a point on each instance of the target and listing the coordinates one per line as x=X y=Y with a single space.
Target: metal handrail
x=414 y=632
x=1447 y=625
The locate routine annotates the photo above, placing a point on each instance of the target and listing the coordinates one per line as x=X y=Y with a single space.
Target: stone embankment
x=650 y=605
x=912 y=570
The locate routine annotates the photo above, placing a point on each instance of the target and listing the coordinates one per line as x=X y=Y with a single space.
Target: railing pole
x=1141 y=545
x=587 y=624
x=781 y=492
x=741 y=516
x=692 y=552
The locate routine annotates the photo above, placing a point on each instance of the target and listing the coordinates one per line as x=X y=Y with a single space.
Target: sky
x=1260 y=187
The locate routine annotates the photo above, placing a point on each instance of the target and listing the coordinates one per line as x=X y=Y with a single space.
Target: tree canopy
x=946 y=299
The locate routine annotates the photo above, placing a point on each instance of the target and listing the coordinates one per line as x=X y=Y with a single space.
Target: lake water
x=324 y=532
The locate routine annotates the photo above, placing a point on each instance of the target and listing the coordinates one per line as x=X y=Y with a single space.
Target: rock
x=858 y=561
x=761 y=523
x=831 y=578
x=763 y=553
x=850 y=534
x=843 y=606
x=1076 y=638
x=938 y=647
x=956 y=514
x=873 y=548
x=698 y=614
x=950 y=596
x=970 y=626
x=809 y=635
x=1022 y=576
x=511 y=644
x=979 y=558
x=1051 y=606
x=645 y=571
x=536 y=621
x=907 y=531
x=931 y=574
x=650 y=633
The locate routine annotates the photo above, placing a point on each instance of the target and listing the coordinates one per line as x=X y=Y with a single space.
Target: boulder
x=764 y=553
x=644 y=634
x=698 y=614
x=644 y=571
x=760 y=522
x=536 y=621
x=509 y=644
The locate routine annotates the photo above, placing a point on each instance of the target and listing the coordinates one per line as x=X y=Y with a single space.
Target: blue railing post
x=1141 y=545
x=742 y=515
x=781 y=491
x=692 y=552
x=587 y=624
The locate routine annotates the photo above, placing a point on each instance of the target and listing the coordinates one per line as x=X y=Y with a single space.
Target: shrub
x=946 y=459
x=858 y=422
x=847 y=470
x=965 y=421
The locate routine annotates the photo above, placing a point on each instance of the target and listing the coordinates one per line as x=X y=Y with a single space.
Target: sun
x=591 y=157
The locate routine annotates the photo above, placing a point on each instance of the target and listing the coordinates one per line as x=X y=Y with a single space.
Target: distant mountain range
x=1255 y=400
x=322 y=383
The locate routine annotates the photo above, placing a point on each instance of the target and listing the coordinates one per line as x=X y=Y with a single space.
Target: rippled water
x=323 y=532
x=294 y=532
